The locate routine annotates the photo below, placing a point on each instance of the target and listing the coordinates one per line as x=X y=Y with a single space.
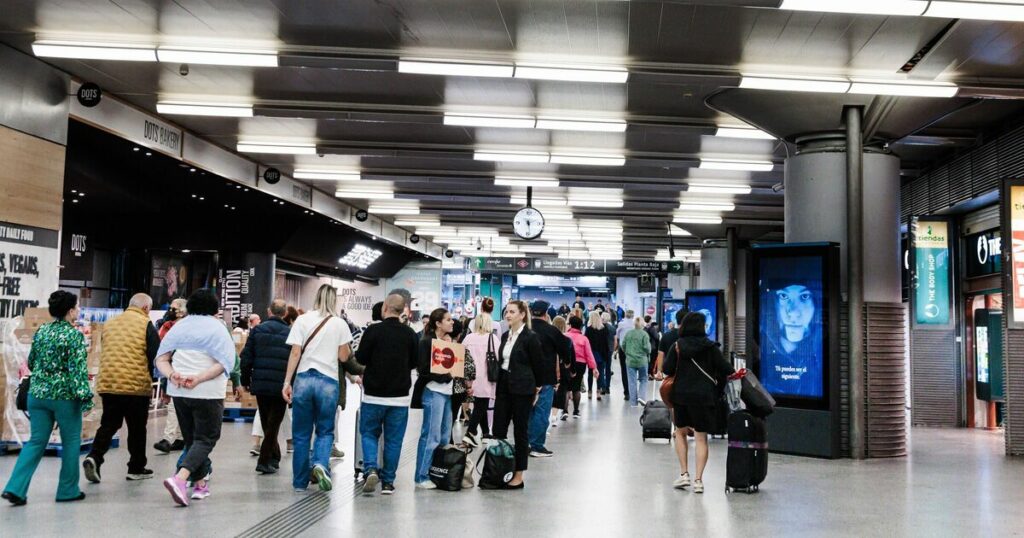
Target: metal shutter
x=985 y=167
x=938 y=189
x=934 y=391
x=885 y=400
x=960 y=179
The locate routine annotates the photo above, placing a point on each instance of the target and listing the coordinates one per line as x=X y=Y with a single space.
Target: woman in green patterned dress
x=59 y=393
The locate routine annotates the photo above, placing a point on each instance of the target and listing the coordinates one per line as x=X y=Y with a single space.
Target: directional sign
x=563 y=266
x=676 y=267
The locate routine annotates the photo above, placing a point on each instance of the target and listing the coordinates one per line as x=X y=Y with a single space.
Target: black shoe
x=266 y=468
x=142 y=475
x=178 y=445
x=13 y=499
x=521 y=485
x=626 y=397
x=72 y=499
x=275 y=464
x=92 y=470
x=387 y=489
x=163 y=446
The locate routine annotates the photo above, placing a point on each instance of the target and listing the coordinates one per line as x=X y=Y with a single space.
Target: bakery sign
x=28 y=267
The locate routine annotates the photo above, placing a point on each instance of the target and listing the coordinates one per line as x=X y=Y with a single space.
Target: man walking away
x=625 y=325
x=555 y=348
x=264 y=363
x=389 y=351
x=129 y=345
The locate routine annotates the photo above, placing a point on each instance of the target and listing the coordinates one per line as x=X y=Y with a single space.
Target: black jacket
x=692 y=387
x=423 y=371
x=389 y=351
x=526 y=364
x=598 y=341
x=554 y=345
x=265 y=357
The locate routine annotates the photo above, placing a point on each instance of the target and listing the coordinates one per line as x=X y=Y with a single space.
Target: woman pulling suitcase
x=700 y=372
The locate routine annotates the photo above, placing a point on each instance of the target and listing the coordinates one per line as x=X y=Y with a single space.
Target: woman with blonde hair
x=479 y=342
x=597 y=334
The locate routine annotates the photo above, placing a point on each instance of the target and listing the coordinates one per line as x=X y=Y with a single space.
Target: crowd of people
x=529 y=369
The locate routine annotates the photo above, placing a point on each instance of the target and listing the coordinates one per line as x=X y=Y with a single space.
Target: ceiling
x=338 y=85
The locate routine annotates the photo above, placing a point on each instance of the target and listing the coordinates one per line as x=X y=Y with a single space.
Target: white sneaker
x=698 y=486
x=426 y=485
x=682 y=482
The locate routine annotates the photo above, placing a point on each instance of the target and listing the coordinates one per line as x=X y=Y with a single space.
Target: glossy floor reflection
x=603 y=481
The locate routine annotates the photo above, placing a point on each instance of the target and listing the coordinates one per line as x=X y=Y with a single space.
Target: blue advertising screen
x=669 y=307
x=790 y=297
x=706 y=304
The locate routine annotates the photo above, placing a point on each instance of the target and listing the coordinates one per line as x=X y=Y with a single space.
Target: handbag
x=447 y=468
x=21 y=401
x=493 y=365
x=460 y=427
x=669 y=383
x=499 y=464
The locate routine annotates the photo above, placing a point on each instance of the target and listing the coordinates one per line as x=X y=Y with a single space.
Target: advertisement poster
x=708 y=305
x=28 y=267
x=791 y=331
x=168 y=279
x=356 y=299
x=931 y=286
x=669 y=307
x=1017 y=250
x=423 y=280
x=447 y=358
x=245 y=283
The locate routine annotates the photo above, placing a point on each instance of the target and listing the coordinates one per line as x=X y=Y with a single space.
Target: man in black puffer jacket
x=264 y=364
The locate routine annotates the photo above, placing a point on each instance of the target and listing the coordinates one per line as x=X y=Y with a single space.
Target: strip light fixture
x=385 y=208
x=902 y=88
x=908 y=89
x=184 y=108
x=696 y=219
x=737 y=164
x=676 y=231
x=794 y=84
x=613 y=75
x=595 y=201
x=217 y=56
x=945 y=9
x=423 y=221
x=992 y=11
x=512 y=156
x=717 y=188
x=740 y=131
x=525 y=181
x=539 y=201
x=592 y=159
x=454 y=68
x=283 y=148
x=338 y=175
x=365 y=194
x=489 y=120
x=513 y=121
x=580 y=124
x=707 y=206
x=94 y=51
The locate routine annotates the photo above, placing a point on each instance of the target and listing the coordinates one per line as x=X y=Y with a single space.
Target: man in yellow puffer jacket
x=128 y=347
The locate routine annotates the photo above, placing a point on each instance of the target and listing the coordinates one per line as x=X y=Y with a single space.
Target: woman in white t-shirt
x=319 y=340
x=197 y=356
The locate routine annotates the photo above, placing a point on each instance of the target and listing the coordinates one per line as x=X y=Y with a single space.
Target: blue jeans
x=436 y=430
x=391 y=420
x=540 y=419
x=44 y=413
x=632 y=375
x=314 y=399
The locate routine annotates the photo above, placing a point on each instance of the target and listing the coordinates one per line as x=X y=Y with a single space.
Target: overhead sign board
x=131 y=124
x=564 y=266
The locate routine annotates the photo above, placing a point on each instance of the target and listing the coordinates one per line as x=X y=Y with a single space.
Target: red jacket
x=581 y=345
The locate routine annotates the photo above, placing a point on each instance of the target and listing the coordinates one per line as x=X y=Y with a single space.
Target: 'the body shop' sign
x=931 y=285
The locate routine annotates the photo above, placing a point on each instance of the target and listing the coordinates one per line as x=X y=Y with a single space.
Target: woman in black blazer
x=521 y=359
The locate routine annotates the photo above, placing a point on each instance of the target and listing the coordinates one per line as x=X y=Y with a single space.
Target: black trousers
x=200 y=421
x=272 y=410
x=479 y=416
x=118 y=409
x=623 y=370
x=514 y=408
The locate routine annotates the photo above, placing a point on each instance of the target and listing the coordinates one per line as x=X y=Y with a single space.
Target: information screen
x=706 y=304
x=790 y=301
x=669 y=307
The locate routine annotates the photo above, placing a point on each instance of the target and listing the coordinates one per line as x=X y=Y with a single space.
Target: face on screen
x=795 y=305
x=708 y=321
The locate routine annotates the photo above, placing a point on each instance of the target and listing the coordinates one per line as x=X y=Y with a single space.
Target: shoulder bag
x=493 y=365
x=309 y=339
x=669 y=383
x=21 y=402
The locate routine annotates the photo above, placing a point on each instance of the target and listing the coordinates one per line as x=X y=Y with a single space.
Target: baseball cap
x=539 y=307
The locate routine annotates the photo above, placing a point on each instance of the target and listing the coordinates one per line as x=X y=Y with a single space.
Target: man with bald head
x=127 y=348
x=389 y=350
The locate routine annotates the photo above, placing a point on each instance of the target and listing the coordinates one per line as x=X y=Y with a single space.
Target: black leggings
x=479 y=416
x=514 y=408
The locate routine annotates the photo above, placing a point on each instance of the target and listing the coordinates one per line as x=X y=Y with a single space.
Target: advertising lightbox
x=931 y=279
x=709 y=303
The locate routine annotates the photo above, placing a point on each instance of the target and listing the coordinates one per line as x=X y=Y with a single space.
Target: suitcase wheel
x=728 y=490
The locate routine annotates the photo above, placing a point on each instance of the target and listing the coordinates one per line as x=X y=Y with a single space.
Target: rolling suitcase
x=656 y=421
x=746 y=464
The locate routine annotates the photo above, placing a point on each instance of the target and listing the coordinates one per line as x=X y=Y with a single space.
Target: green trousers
x=43 y=413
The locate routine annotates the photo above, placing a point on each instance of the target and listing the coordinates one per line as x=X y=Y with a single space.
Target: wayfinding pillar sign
x=932 y=268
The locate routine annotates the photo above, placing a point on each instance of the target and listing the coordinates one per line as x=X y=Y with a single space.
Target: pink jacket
x=476 y=343
x=582 y=347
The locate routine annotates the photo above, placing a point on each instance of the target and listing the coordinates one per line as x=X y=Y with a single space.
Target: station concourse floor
x=602 y=481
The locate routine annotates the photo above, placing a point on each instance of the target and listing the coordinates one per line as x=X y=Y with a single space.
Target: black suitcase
x=746 y=464
x=656 y=421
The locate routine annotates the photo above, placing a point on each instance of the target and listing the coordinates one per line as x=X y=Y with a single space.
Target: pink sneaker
x=178 y=489
x=201 y=492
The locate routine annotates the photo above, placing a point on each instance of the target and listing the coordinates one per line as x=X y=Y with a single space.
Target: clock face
x=528 y=223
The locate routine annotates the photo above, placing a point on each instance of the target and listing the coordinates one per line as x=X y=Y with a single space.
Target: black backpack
x=499 y=465
x=448 y=467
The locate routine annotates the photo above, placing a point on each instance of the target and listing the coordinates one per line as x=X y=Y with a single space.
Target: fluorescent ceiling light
x=550 y=214
x=512 y=156
x=588 y=159
x=284 y=148
x=421 y=222
x=599 y=226
x=679 y=232
x=908 y=88
x=540 y=249
x=360 y=257
x=524 y=181
x=707 y=206
x=339 y=175
x=595 y=202
x=94 y=51
x=729 y=131
x=616 y=75
x=205 y=109
x=364 y=195
x=454 y=68
x=481 y=120
x=562 y=236
x=694 y=219
x=200 y=55
x=865 y=7
x=538 y=201
x=794 y=84
x=718 y=188
x=385 y=209
x=990 y=11
x=570 y=124
x=735 y=164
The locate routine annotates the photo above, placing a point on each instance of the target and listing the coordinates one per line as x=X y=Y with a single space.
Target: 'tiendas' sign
x=931 y=287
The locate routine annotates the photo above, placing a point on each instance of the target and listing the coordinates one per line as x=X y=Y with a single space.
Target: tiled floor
x=603 y=481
